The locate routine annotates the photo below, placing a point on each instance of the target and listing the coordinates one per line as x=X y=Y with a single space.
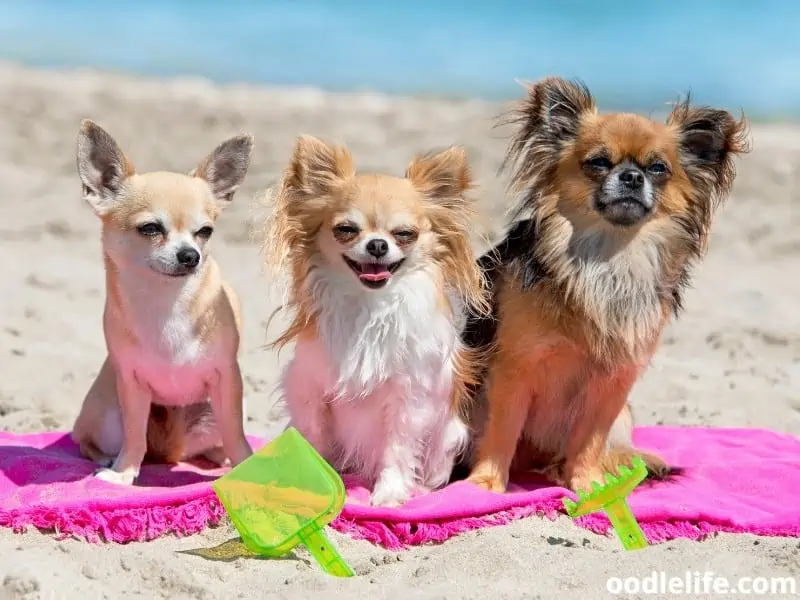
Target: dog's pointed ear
x=102 y=166
x=316 y=167
x=444 y=177
x=709 y=139
x=546 y=122
x=554 y=107
x=225 y=168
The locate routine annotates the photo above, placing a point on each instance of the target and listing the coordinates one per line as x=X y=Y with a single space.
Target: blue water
x=637 y=55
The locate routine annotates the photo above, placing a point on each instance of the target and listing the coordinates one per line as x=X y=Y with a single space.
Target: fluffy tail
x=657 y=468
x=620 y=451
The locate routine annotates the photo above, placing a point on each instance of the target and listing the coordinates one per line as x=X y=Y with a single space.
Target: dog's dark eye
x=345 y=232
x=151 y=229
x=405 y=236
x=204 y=232
x=601 y=163
x=657 y=168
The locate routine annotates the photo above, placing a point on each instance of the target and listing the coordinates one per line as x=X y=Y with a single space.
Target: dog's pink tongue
x=374 y=272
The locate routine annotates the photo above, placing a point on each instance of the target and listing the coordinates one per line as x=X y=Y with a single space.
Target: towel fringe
x=402 y=535
x=119 y=525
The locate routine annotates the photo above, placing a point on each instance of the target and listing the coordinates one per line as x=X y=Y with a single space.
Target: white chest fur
x=374 y=390
x=617 y=280
x=374 y=338
x=170 y=355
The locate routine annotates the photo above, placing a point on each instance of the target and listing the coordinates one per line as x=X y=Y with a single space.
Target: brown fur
x=581 y=304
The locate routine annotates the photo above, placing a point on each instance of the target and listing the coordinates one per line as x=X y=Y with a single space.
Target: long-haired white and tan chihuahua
x=170 y=387
x=382 y=269
x=616 y=209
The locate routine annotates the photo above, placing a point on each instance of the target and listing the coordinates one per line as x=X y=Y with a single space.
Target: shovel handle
x=320 y=547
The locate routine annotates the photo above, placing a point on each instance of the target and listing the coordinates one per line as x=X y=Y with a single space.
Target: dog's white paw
x=391 y=489
x=120 y=478
x=104 y=461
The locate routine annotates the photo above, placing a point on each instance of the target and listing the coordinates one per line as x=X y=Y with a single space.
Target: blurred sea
x=633 y=55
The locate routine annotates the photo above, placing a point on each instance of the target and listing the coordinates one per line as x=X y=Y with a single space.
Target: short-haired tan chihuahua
x=170 y=388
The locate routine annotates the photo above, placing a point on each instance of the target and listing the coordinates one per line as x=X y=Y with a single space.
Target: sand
x=733 y=359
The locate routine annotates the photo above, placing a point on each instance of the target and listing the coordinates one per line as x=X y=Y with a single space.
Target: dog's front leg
x=134 y=400
x=395 y=480
x=509 y=399
x=307 y=403
x=399 y=461
x=227 y=392
x=587 y=444
x=445 y=446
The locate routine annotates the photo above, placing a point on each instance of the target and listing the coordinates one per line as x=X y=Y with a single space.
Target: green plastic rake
x=611 y=498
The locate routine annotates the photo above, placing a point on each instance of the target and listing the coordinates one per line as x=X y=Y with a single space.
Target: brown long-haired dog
x=612 y=212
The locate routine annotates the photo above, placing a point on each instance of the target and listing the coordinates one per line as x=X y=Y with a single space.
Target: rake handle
x=624 y=523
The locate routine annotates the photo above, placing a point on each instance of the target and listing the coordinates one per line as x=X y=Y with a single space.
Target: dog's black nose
x=377 y=247
x=188 y=257
x=632 y=178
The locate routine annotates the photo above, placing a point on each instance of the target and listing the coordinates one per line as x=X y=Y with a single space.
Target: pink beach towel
x=736 y=480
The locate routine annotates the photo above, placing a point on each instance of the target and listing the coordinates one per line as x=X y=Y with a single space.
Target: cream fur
x=374 y=390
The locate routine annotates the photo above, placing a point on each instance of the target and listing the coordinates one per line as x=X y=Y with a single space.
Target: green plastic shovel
x=282 y=496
